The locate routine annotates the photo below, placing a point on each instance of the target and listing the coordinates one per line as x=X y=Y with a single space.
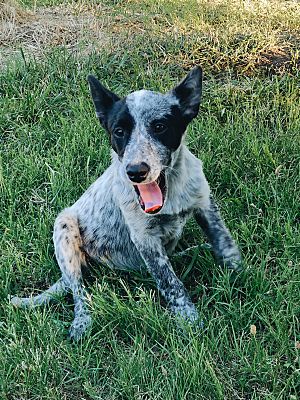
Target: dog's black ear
x=188 y=92
x=103 y=99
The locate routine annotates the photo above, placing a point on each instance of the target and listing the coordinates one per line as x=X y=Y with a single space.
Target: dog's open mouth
x=152 y=195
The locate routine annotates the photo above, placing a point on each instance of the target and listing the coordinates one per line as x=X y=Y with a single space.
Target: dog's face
x=145 y=128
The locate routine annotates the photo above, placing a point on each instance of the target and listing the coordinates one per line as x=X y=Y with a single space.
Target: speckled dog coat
x=113 y=223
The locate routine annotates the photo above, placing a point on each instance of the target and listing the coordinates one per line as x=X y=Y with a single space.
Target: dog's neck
x=178 y=172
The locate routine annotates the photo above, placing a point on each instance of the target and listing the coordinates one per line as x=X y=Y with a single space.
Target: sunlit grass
x=247 y=135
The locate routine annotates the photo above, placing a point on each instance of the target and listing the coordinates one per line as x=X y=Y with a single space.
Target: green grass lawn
x=248 y=136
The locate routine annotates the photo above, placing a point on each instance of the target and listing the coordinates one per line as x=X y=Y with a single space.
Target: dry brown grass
x=10 y=10
x=74 y=26
x=237 y=35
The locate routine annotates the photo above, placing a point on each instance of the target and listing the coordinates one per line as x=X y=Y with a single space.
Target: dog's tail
x=58 y=289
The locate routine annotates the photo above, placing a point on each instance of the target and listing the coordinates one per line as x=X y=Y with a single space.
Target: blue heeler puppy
x=133 y=215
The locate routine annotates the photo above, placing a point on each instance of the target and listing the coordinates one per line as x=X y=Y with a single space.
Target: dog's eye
x=159 y=128
x=119 y=132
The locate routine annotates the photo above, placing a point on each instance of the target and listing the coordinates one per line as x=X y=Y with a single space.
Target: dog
x=133 y=215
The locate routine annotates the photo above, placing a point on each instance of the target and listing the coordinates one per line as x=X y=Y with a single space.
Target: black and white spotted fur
x=108 y=224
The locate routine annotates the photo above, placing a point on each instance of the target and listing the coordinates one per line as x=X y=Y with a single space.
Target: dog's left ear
x=188 y=92
x=103 y=99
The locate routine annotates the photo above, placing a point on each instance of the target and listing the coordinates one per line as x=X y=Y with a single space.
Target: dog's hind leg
x=224 y=247
x=70 y=258
x=58 y=289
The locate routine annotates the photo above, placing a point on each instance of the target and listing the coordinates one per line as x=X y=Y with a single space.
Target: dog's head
x=145 y=129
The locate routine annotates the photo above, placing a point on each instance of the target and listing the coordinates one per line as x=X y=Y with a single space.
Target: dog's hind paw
x=20 y=301
x=79 y=327
x=14 y=300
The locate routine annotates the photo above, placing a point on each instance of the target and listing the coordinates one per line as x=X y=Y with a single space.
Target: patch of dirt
x=73 y=26
x=274 y=58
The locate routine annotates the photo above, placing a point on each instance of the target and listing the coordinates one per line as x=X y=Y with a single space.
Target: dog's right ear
x=103 y=99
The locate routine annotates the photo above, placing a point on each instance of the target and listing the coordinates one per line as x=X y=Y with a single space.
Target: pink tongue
x=151 y=196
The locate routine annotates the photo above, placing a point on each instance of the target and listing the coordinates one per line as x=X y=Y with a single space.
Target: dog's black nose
x=137 y=172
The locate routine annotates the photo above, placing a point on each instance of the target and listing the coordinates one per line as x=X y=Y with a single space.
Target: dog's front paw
x=233 y=264
x=233 y=261
x=79 y=327
x=188 y=314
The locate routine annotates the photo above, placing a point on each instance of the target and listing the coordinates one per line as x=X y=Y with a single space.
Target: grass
x=247 y=135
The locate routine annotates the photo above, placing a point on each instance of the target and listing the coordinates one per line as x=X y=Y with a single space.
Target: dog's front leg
x=224 y=247
x=169 y=285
